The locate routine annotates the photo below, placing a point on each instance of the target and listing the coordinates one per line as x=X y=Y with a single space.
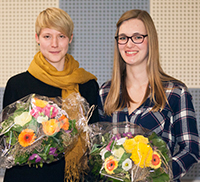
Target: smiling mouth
x=131 y=52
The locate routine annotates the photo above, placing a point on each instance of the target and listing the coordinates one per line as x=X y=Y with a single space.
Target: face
x=54 y=46
x=133 y=54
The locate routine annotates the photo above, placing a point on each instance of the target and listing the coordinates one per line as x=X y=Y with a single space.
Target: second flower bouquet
x=127 y=152
x=36 y=130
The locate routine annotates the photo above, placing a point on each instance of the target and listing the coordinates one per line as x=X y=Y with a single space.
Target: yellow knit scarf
x=67 y=80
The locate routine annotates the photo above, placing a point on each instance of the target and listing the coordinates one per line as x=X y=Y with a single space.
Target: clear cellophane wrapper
x=127 y=152
x=37 y=129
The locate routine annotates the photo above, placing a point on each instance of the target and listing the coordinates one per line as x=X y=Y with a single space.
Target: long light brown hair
x=155 y=73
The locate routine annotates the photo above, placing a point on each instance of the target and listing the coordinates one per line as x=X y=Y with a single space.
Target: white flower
x=118 y=152
x=23 y=118
x=120 y=141
x=127 y=164
x=102 y=153
x=41 y=119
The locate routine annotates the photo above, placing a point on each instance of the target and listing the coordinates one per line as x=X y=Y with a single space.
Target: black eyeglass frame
x=116 y=37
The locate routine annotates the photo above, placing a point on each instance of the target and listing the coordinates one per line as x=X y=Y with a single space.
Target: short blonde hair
x=54 y=18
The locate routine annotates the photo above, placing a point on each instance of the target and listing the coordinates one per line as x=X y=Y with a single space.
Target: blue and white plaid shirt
x=175 y=124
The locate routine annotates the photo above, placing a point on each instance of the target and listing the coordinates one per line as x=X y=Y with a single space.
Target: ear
x=37 y=38
x=71 y=38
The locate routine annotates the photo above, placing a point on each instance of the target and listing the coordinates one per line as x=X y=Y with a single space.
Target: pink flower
x=36 y=111
x=117 y=136
x=36 y=157
x=51 y=111
x=52 y=151
x=128 y=134
x=108 y=146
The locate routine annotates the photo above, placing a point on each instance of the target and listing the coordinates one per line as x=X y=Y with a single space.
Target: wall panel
x=178 y=25
x=17 y=34
x=17 y=37
x=94 y=31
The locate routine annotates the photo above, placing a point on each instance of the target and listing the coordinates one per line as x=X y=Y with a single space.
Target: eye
x=46 y=36
x=62 y=36
x=122 y=38
x=137 y=37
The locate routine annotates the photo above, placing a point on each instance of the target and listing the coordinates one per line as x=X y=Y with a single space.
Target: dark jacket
x=22 y=85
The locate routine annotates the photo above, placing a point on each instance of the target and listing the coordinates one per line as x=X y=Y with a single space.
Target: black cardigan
x=22 y=85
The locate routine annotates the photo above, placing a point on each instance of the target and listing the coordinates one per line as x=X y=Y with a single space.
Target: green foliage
x=108 y=154
x=32 y=124
x=54 y=141
x=72 y=127
x=96 y=162
x=157 y=141
x=34 y=142
x=11 y=137
x=21 y=159
x=95 y=149
x=159 y=175
x=123 y=158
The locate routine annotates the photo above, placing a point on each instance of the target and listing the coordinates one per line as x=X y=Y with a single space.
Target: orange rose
x=51 y=126
x=64 y=122
x=39 y=102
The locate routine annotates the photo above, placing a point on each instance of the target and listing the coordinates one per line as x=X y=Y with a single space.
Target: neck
x=58 y=65
x=136 y=77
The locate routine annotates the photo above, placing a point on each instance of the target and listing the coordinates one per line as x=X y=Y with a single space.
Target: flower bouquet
x=127 y=152
x=36 y=130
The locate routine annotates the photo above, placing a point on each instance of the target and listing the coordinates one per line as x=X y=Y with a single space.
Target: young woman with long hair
x=141 y=92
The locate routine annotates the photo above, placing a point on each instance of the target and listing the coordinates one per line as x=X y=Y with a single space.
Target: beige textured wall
x=17 y=37
x=17 y=34
x=178 y=25
x=177 y=22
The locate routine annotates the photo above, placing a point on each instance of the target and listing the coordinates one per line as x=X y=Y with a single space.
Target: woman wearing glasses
x=141 y=92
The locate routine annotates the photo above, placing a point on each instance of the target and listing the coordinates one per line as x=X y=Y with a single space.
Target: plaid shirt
x=175 y=124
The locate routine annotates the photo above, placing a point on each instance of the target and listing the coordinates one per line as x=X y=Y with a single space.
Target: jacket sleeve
x=90 y=92
x=186 y=134
x=103 y=92
x=10 y=93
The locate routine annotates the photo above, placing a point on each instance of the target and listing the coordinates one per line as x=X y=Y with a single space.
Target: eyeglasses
x=136 y=38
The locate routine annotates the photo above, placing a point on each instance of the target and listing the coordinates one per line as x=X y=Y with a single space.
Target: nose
x=54 y=42
x=130 y=43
